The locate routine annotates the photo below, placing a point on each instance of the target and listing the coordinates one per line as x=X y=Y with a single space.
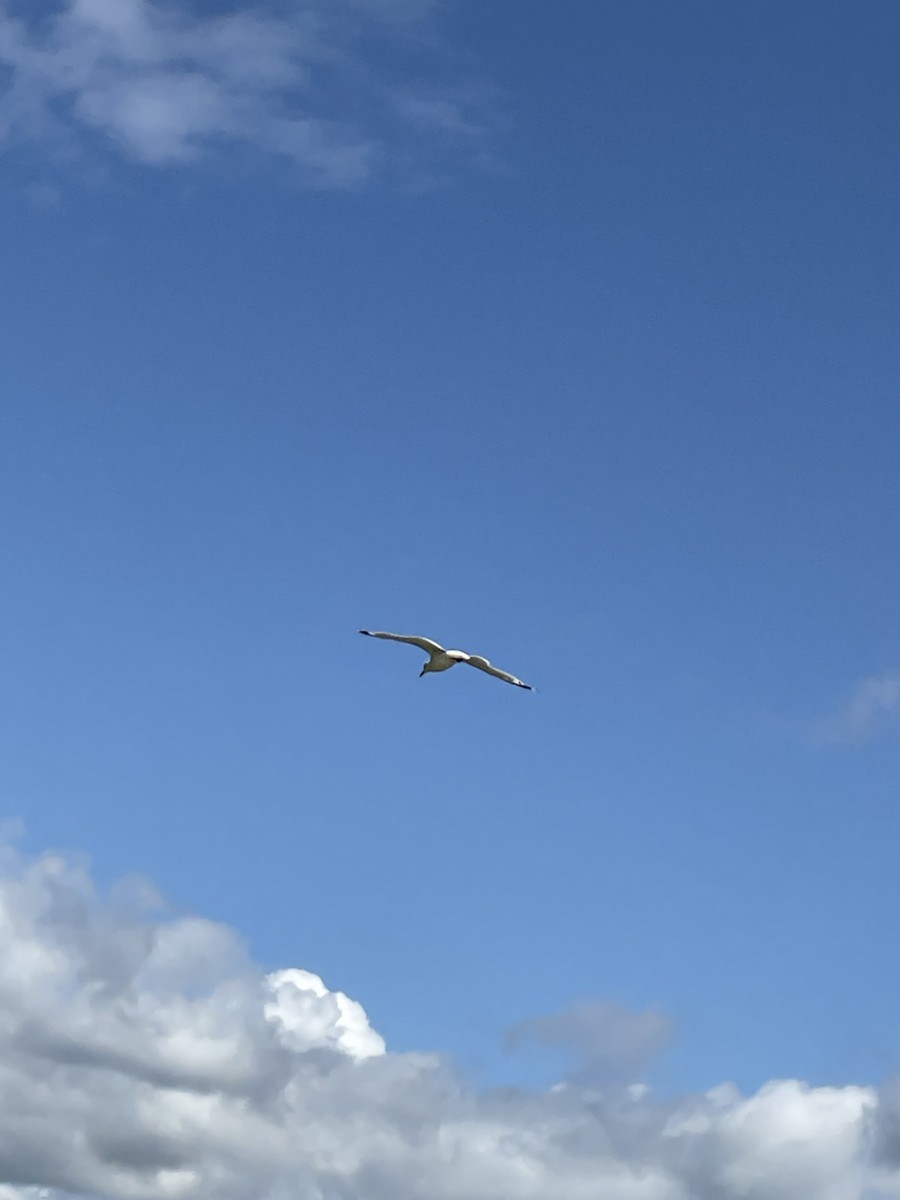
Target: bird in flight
x=440 y=659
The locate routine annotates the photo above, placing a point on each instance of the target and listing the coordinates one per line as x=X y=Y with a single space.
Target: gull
x=440 y=659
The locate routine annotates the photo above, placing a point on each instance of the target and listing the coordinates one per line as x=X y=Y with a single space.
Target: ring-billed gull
x=440 y=659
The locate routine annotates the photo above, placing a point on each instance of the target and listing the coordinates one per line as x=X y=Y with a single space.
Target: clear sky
x=564 y=334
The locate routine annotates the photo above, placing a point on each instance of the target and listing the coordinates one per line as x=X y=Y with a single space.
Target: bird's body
x=440 y=659
x=445 y=660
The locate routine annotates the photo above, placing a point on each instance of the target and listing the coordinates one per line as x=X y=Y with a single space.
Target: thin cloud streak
x=872 y=709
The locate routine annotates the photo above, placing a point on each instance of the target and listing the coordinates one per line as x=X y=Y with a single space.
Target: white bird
x=440 y=659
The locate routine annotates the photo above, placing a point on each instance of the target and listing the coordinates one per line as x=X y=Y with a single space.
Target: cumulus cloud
x=148 y=1058
x=164 y=81
x=873 y=708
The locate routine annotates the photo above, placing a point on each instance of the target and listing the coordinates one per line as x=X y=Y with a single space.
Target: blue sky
x=567 y=337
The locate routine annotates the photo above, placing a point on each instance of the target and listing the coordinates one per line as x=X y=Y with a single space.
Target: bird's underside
x=440 y=659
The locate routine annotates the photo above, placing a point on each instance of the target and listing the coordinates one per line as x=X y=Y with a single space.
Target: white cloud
x=306 y=1014
x=163 y=83
x=872 y=709
x=146 y=1058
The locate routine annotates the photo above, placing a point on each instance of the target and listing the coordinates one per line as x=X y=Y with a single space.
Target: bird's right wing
x=475 y=660
x=423 y=643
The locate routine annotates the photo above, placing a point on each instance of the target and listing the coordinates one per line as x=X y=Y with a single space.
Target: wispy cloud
x=163 y=83
x=872 y=709
x=148 y=1058
x=604 y=1041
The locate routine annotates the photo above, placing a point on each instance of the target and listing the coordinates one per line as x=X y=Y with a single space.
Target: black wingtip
x=365 y=631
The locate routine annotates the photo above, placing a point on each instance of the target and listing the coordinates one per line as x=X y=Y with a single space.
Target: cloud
x=145 y=1057
x=606 y=1041
x=163 y=83
x=872 y=709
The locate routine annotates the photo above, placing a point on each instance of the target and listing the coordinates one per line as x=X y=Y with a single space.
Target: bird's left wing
x=475 y=660
x=423 y=643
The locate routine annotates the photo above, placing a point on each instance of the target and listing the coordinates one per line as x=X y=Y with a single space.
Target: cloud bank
x=316 y=82
x=148 y=1058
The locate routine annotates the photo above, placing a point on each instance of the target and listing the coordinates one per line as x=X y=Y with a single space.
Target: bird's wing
x=475 y=660
x=423 y=643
